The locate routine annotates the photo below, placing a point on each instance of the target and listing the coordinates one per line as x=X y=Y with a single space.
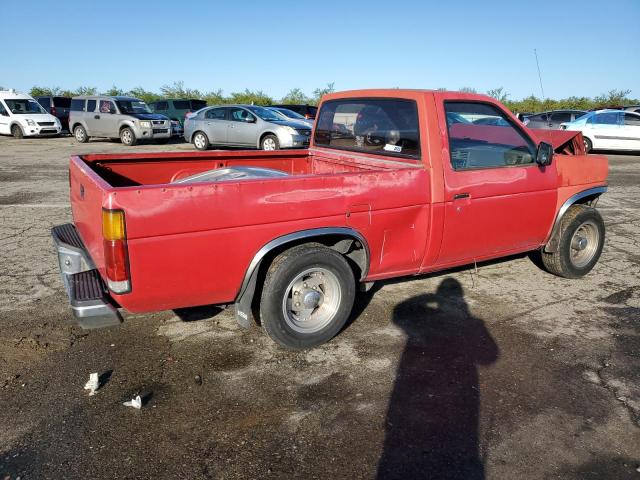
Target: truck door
x=497 y=199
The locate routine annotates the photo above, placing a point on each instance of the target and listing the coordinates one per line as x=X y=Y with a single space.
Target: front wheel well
x=264 y=135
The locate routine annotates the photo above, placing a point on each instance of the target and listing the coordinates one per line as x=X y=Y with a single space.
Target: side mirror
x=544 y=155
x=112 y=110
x=250 y=119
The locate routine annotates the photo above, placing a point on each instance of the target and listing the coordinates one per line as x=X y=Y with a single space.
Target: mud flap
x=243 y=310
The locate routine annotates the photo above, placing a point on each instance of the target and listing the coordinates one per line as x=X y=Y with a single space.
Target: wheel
x=307 y=296
x=81 y=134
x=17 y=132
x=580 y=246
x=201 y=141
x=270 y=142
x=127 y=137
x=588 y=146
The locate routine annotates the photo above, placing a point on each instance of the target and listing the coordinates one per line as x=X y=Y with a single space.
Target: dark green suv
x=177 y=108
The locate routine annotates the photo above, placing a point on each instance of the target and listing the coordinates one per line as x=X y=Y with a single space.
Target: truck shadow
x=431 y=426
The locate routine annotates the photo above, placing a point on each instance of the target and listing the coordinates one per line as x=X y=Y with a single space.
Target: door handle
x=97 y=117
x=460 y=196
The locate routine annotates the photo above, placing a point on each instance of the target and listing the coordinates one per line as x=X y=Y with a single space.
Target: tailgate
x=88 y=194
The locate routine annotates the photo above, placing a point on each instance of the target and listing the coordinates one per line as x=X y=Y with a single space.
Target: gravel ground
x=503 y=373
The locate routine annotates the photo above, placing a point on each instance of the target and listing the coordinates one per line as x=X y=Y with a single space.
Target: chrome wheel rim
x=311 y=300
x=586 y=145
x=126 y=137
x=199 y=141
x=269 y=144
x=79 y=134
x=584 y=244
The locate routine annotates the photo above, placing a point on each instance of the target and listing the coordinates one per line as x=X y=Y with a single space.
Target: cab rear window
x=372 y=125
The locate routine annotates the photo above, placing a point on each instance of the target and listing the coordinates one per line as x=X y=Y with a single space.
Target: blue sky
x=584 y=47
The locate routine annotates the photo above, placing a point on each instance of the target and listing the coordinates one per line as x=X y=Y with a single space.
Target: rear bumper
x=90 y=302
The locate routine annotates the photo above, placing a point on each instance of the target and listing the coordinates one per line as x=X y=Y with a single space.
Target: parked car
x=552 y=120
x=608 y=130
x=21 y=116
x=244 y=126
x=58 y=107
x=294 y=233
x=632 y=108
x=126 y=118
x=287 y=114
x=177 y=108
x=307 y=111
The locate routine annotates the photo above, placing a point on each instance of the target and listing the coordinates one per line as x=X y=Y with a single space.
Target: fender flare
x=554 y=239
x=244 y=315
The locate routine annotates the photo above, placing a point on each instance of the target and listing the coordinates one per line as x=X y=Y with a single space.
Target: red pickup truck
x=394 y=183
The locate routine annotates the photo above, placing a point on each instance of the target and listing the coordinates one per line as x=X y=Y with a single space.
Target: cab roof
x=14 y=94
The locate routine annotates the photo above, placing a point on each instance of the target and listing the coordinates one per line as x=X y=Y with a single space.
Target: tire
x=323 y=279
x=200 y=141
x=127 y=137
x=80 y=134
x=16 y=131
x=269 y=142
x=588 y=144
x=581 y=241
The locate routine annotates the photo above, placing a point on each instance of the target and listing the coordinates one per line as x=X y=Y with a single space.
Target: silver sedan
x=244 y=126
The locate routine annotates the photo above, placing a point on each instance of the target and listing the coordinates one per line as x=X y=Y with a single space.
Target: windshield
x=290 y=113
x=265 y=114
x=24 y=106
x=132 y=106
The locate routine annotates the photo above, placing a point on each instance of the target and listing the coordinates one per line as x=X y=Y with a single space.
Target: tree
x=115 y=91
x=85 y=91
x=319 y=92
x=44 y=91
x=250 y=97
x=143 y=94
x=296 y=96
x=214 y=97
x=177 y=90
x=499 y=94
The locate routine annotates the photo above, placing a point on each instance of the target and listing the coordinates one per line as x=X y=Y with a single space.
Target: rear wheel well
x=351 y=248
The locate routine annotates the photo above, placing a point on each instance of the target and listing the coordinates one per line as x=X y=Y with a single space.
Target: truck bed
x=200 y=228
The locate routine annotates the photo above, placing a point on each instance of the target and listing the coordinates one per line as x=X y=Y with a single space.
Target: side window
x=107 y=106
x=181 y=105
x=44 y=101
x=541 y=117
x=561 y=117
x=239 y=114
x=494 y=143
x=161 y=106
x=3 y=111
x=77 y=105
x=632 y=120
x=91 y=106
x=606 y=118
x=215 y=114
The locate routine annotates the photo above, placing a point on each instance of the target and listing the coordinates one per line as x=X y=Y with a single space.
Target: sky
x=584 y=48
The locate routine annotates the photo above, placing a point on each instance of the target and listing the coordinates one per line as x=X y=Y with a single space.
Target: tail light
x=116 y=255
x=53 y=110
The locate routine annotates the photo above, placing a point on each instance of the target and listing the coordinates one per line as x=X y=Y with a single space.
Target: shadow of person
x=432 y=420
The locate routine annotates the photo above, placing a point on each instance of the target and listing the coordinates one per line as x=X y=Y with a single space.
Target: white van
x=21 y=116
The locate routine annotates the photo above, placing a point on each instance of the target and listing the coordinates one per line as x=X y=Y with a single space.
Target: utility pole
x=539 y=75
